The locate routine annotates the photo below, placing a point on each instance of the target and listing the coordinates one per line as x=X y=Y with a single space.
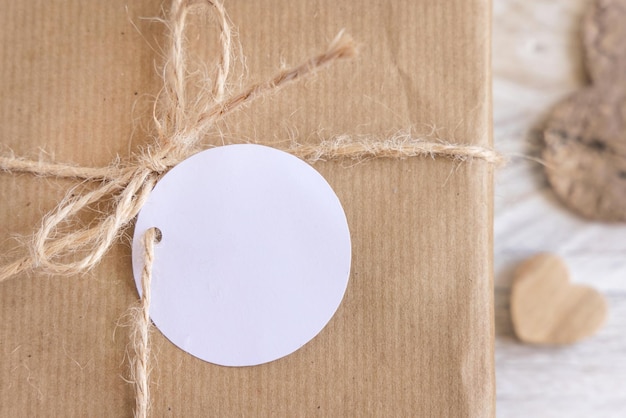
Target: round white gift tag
x=254 y=258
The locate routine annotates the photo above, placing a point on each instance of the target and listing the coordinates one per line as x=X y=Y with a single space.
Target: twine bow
x=180 y=125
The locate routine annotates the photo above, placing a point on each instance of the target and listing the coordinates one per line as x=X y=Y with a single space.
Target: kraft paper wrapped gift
x=414 y=334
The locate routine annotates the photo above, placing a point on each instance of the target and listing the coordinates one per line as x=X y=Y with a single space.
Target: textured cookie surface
x=586 y=153
x=604 y=38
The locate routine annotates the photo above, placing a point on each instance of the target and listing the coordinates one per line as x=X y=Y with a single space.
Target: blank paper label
x=254 y=258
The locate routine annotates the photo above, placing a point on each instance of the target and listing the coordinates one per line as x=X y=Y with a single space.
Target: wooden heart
x=547 y=309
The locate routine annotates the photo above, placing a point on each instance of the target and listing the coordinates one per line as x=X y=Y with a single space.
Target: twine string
x=64 y=245
x=140 y=337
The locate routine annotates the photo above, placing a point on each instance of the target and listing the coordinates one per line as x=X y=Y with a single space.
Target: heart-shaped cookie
x=547 y=309
x=585 y=137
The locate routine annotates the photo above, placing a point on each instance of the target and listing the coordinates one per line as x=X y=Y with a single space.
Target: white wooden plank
x=537 y=60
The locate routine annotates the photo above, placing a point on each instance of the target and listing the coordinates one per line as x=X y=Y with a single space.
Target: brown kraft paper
x=414 y=334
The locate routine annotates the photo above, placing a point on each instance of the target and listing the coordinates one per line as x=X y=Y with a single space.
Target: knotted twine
x=63 y=245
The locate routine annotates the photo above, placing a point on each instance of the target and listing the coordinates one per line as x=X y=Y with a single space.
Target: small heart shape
x=547 y=309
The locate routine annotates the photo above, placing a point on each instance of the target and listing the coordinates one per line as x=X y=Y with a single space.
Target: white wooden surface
x=537 y=60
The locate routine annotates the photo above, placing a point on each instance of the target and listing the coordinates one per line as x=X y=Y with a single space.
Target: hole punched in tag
x=158 y=235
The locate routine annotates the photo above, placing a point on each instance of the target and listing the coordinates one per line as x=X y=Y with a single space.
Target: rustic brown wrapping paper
x=414 y=335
